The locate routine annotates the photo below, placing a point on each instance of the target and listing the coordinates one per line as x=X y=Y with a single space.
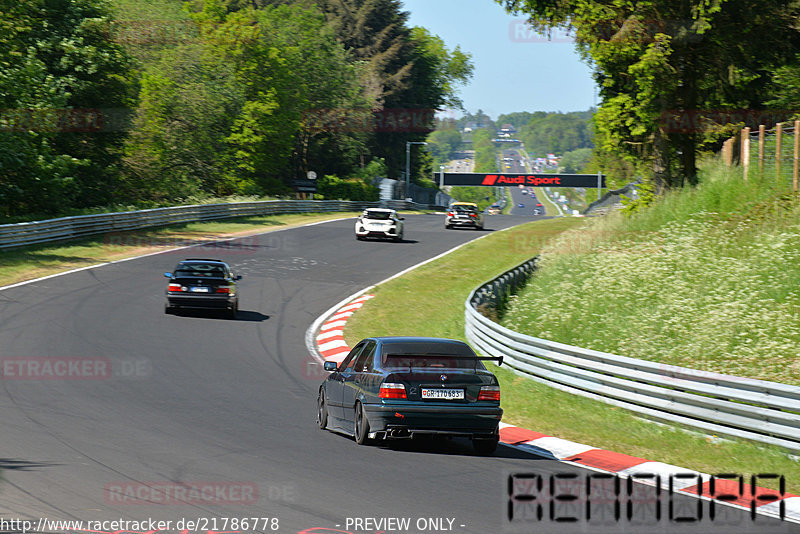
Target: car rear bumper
x=202 y=301
x=399 y=420
x=463 y=222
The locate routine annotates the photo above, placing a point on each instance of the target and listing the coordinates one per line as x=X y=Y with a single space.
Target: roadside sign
x=304 y=186
x=524 y=179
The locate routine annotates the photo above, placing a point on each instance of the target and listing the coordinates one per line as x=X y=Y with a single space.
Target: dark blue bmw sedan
x=399 y=387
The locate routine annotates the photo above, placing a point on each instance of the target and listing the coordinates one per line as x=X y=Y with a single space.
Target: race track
x=230 y=405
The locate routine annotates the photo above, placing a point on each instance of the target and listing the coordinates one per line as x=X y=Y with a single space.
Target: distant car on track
x=202 y=283
x=401 y=387
x=464 y=214
x=380 y=222
x=520 y=205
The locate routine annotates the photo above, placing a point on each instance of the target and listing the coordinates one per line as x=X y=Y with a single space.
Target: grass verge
x=429 y=302
x=31 y=262
x=707 y=278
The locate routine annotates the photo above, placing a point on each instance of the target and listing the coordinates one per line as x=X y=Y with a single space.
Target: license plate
x=447 y=394
x=199 y=290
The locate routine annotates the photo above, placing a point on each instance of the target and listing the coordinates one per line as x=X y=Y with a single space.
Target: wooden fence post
x=761 y=129
x=778 y=146
x=727 y=151
x=796 y=155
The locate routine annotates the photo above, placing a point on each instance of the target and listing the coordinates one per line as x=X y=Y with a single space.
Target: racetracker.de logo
x=520 y=31
x=688 y=121
x=365 y=120
x=56 y=368
x=209 y=244
x=63 y=120
x=174 y=493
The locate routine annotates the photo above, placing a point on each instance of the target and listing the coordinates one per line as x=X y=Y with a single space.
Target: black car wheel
x=361 y=431
x=322 y=411
x=168 y=309
x=485 y=446
x=233 y=311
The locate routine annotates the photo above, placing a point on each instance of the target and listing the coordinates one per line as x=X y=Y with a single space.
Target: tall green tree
x=407 y=70
x=234 y=113
x=189 y=101
x=61 y=77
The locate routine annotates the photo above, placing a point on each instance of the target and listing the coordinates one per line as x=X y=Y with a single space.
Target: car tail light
x=223 y=289
x=489 y=393
x=473 y=215
x=451 y=214
x=174 y=287
x=391 y=390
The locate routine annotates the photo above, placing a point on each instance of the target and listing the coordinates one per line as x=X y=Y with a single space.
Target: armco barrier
x=724 y=405
x=22 y=234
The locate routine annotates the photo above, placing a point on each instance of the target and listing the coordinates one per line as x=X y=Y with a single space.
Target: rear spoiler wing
x=498 y=359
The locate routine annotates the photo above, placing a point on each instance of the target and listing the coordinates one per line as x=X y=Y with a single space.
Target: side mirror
x=402 y=218
x=330 y=366
x=237 y=277
x=168 y=275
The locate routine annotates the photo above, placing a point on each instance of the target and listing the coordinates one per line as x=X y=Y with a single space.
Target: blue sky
x=514 y=70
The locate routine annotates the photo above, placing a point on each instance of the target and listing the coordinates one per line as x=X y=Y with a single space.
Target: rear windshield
x=200 y=269
x=436 y=361
x=379 y=215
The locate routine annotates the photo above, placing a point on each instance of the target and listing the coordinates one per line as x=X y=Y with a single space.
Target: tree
x=60 y=77
x=557 y=133
x=575 y=161
x=235 y=113
x=658 y=58
x=188 y=105
x=442 y=144
x=407 y=70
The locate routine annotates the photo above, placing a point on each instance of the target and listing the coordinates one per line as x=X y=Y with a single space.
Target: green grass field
x=707 y=279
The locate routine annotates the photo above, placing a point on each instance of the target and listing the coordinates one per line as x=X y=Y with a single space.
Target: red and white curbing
x=330 y=340
x=332 y=346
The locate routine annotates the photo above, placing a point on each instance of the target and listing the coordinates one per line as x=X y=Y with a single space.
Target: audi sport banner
x=527 y=180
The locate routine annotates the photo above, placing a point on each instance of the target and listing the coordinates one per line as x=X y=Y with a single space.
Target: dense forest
x=148 y=102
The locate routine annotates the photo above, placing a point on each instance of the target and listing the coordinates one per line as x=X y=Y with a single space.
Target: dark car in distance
x=202 y=283
x=401 y=387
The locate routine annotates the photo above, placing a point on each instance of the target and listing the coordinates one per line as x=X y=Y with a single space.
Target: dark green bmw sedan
x=399 y=387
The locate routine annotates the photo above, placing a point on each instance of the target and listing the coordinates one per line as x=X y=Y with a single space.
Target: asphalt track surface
x=200 y=399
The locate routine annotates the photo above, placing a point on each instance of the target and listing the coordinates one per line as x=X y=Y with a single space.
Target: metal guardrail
x=66 y=228
x=724 y=405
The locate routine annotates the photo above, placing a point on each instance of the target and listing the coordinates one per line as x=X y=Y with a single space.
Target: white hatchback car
x=379 y=222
